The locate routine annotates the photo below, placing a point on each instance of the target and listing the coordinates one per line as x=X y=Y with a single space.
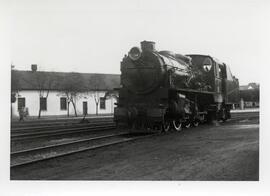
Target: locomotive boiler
x=163 y=90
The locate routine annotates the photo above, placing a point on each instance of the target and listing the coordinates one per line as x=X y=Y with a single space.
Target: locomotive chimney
x=34 y=67
x=148 y=46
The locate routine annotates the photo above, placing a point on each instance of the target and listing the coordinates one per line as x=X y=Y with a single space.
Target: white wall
x=53 y=104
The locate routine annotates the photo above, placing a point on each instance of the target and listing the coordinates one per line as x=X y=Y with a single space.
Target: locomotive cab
x=230 y=85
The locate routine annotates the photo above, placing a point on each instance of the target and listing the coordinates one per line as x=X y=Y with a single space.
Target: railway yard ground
x=228 y=152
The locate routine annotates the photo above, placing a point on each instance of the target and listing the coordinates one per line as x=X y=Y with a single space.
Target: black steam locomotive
x=161 y=89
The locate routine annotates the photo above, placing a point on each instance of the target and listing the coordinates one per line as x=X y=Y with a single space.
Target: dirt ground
x=226 y=152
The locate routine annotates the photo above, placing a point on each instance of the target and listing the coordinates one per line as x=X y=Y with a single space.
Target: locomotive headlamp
x=135 y=53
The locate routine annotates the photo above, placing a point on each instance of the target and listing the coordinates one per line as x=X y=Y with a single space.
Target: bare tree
x=96 y=83
x=72 y=87
x=15 y=84
x=43 y=82
x=111 y=94
x=15 y=87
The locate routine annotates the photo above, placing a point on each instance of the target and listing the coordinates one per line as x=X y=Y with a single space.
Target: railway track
x=244 y=115
x=38 y=154
x=20 y=126
x=52 y=126
x=61 y=131
x=57 y=120
x=34 y=155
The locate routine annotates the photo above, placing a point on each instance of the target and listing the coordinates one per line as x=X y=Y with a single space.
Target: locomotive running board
x=194 y=91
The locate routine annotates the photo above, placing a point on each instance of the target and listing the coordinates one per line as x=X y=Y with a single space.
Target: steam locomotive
x=161 y=90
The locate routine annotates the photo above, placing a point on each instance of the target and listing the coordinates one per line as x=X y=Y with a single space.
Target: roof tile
x=29 y=80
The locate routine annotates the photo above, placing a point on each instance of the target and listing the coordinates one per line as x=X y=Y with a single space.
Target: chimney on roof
x=34 y=67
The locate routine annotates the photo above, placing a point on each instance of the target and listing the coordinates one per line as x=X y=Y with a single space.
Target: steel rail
x=37 y=128
x=64 y=144
x=76 y=151
x=25 y=125
x=67 y=119
x=61 y=132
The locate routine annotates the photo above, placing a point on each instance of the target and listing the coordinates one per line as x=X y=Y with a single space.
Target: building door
x=85 y=108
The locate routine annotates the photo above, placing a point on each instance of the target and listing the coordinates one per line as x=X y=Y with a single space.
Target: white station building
x=49 y=91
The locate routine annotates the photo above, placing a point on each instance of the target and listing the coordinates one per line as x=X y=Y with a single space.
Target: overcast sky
x=93 y=36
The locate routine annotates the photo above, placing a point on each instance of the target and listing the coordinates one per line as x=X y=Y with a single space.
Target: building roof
x=31 y=80
x=250 y=86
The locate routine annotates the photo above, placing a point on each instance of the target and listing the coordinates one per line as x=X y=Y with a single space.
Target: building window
x=43 y=103
x=102 y=103
x=63 y=103
x=21 y=103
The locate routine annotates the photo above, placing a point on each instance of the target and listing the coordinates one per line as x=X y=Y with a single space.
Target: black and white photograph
x=135 y=93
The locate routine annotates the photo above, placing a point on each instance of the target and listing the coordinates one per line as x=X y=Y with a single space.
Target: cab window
x=229 y=74
x=207 y=64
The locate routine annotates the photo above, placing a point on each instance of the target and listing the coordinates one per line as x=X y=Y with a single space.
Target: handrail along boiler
x=161 y=89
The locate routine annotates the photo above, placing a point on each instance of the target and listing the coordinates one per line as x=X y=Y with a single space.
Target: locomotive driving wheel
x=177 y=125
x=187 y=124
x=166 y=125
x=196 y=123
